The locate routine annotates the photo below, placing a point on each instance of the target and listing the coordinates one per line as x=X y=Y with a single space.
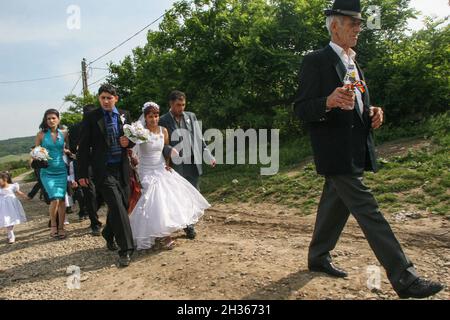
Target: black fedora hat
x=349 y=8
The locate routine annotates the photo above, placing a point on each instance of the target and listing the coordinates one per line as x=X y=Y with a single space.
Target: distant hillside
x=16 y=146
x=13 y=158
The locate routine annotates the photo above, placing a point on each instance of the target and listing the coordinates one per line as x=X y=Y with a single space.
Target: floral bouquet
x=40 y=157
x=136 y=132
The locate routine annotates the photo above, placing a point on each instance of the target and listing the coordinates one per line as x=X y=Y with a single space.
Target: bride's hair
x=150 y=107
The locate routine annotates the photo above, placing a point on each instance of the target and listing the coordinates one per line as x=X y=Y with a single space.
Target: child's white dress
x=11 y=210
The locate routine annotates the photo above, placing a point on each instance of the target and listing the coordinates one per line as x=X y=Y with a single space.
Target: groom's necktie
x=115 y=151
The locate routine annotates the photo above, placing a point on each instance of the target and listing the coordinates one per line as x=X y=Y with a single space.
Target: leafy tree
x=411 y=80
x=238 y=60
x=74 y=113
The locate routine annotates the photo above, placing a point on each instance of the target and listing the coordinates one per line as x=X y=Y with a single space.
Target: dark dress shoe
x=124 y=261
x=111 y=245
x=420 y=289
x=190 y=232
x=329 y=269
x=96 y=232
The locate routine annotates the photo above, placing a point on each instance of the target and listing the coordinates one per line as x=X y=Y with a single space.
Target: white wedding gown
x=168 y=203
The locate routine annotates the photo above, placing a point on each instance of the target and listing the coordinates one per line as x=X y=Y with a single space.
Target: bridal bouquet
x=136 y=132
x=40 y=157
x=40 y=153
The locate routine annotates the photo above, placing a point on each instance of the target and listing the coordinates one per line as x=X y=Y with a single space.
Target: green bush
x=410 y=79
x=9 y=166
x=18 y=172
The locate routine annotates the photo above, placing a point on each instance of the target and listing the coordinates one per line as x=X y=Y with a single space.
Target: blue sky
x=35 y=42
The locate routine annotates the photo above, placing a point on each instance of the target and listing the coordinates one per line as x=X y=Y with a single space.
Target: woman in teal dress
x=54 y=177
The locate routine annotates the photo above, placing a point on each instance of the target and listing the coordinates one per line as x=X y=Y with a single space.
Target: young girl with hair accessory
x=11 y=210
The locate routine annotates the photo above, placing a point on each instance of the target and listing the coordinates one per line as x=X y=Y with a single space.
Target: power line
x=92 y=62
x=40 y=79
x=71 y=92
x=123 y=42
x=98 y=80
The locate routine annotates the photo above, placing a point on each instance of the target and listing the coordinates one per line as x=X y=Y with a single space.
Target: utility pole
x=84 y=76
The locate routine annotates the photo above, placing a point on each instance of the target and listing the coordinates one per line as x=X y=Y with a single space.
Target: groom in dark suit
x=190 y=166
x=340 y=120
x=103 y=146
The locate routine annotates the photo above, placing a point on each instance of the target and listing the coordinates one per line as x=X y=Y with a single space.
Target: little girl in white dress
x=169 y=202
x=11 y=210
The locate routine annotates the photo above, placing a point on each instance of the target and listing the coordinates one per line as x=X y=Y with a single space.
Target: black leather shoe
x=190 y=232
x=329 y=269
x=420 y=289
x=96 y=232
x=124 y=261
x=111 y=245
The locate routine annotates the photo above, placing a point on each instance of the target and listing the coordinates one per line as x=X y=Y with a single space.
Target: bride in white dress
x=169 y=202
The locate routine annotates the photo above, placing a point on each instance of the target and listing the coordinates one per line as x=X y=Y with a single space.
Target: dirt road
x=243 y=251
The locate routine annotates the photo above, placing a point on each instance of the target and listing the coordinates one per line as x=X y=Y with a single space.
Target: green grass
x=18 y=172
x=15 y=164
x=30 y=177
x=14 y=158
x=419 y=179
x=400 y=182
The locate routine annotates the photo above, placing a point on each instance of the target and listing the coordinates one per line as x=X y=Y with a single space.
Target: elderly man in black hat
x=333 y=100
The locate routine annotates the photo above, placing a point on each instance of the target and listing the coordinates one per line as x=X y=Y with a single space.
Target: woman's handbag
x=39 y=164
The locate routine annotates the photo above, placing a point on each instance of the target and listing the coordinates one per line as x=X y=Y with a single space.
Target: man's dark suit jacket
x=342 y=141
x=74 y=137
x=94 y=145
